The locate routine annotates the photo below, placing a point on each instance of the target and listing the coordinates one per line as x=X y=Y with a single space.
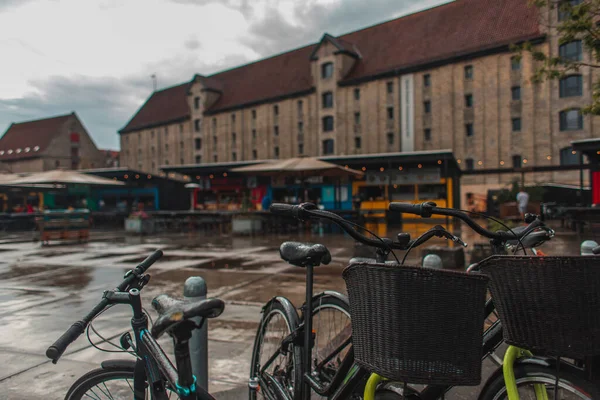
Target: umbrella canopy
x=302 y=167
x=61 y=177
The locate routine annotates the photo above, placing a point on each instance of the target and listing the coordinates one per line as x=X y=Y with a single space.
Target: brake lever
x=443 y=232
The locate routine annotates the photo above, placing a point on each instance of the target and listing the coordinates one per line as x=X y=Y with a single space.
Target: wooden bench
x=64 y=225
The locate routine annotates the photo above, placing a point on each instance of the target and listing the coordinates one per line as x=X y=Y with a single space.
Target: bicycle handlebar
x=306 y=211
x=57 y=349
x=428 y=209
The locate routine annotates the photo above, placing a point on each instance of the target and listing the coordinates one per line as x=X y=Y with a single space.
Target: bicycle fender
x=118 y=364
x=285 y=302
x=331 y=293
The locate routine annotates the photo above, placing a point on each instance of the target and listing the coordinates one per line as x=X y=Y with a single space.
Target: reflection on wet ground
x=42 y=291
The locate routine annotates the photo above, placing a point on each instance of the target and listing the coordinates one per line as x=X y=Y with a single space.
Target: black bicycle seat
x=304 y=254
x=172 y=311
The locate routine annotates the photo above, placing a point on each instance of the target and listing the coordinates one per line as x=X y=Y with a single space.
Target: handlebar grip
x=282 y=209
x=58 y=348
x=416 y=209
x=151 y=259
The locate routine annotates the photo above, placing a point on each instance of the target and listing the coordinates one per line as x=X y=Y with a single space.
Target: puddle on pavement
x=214 y=279
x=166 y=257
x=17 y=270
x=235 y=264
x=53 y=253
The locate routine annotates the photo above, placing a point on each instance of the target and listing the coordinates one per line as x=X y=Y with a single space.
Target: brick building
x=443 y=78
x=47 y=144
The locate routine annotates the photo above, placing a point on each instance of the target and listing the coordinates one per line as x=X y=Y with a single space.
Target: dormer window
x=327 y=70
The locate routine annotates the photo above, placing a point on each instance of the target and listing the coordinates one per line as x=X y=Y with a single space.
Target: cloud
x=6 y=4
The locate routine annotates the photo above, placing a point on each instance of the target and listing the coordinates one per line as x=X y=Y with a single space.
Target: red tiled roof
x=164 y=106
x=29 y=139
x=451 y=30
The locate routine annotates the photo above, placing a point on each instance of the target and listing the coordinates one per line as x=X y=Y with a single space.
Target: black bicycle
x=291 y=358
x=151 y=374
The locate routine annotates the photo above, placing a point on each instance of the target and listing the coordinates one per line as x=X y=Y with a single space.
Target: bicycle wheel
x=570 y=386
x=110 y=384
x=331 y=324
x=284 y=372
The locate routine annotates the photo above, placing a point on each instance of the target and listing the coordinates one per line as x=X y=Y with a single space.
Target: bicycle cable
x=501 y=223
x=388 y=247
x=91 y=326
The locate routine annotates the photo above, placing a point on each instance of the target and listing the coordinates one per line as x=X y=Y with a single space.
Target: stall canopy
x=60 y=177
x=301 y=167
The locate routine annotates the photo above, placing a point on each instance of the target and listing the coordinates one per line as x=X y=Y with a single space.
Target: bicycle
x=289 y=371
x=550 y=306
x=152 y=374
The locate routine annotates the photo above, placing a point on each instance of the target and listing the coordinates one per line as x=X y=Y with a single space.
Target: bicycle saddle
x=174 y=311
x=304 y=254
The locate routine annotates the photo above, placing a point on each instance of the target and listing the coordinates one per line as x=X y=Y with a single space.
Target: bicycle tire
x=528 y=374
x=98 y=378
x=335 y=305
x=277 y=308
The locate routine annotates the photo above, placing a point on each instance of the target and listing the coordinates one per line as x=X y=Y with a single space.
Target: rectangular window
x=197 y=125
x=468 y=100
x=233 y=118
x=469 y=162
x=196 y=103
x=390 y=112
x=276 y=110
x=427 y=106
x=356 y=118
x=300 y=148
x=427 y=134
x=233 y=138
x=427 y=80
x=571 y=51
x=516 y=124
x=390 y=139
x=571 y=120
x=327 y=98
x=253 y=114
x=515 y=63
x=469 y=130
x=300 y=127
x=214 y=124
x=181 y=145
x=568 y=156
x=276 y=130
x=468 y=72
x=327 y=124
x=517 y=161
x=300 y=106
x=166 y=131
x=571 y=86
x=390 y=87
x=180 y=128
x=564 y=8
x=515 y=93
x=181 y=161
x=152 y=134
x=234 y=156
x=327 y=147
x=327 y=70
x=357 y=94
x=166 y=148
x=357 y=142
x=276 y=152
x=254 y=154
x=198 y=159
x=215 y=158
x=253 y=134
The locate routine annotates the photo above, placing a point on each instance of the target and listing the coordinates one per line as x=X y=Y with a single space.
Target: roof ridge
x=43 y=119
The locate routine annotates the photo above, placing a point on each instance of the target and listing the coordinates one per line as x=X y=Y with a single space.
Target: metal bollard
x=432 y=261
x=194 y=290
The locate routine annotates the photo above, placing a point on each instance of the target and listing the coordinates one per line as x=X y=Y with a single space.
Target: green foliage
x=579 y=22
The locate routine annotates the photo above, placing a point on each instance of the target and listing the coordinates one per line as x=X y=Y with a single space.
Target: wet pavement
x=44 y=289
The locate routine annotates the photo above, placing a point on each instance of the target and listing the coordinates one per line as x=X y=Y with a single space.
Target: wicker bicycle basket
x=417 y=325
x=548 y=304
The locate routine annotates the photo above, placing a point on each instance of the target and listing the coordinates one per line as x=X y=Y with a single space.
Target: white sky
x=95 y=57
